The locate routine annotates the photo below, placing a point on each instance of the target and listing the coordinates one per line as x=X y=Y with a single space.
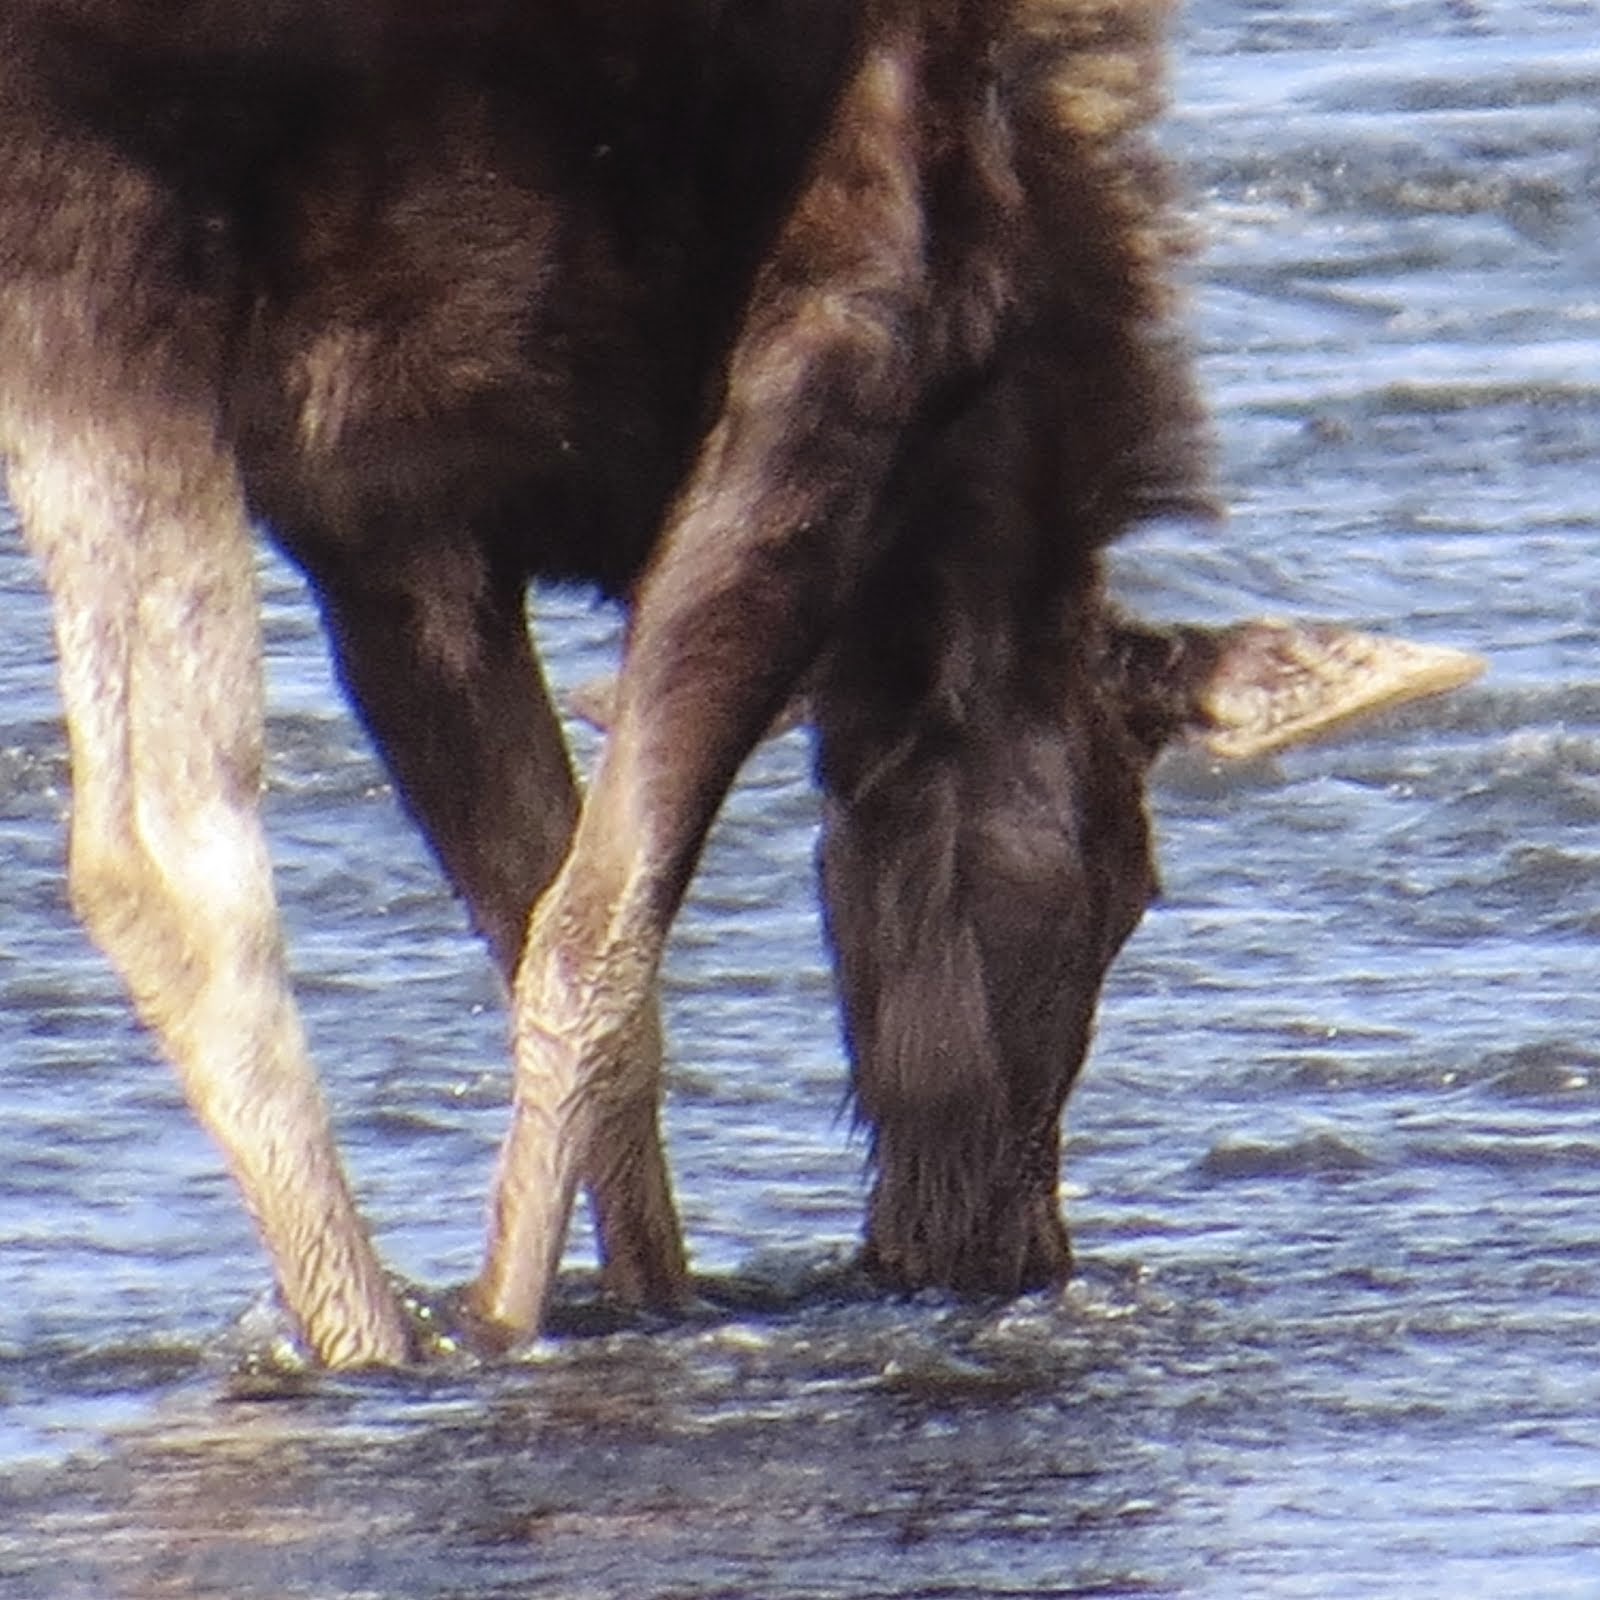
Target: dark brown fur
x=832 y=336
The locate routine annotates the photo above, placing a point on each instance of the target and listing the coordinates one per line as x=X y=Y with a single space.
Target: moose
x=833 y=338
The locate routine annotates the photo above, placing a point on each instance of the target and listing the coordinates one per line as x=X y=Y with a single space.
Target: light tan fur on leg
x=139 y=524
x=586 y=1046
x=636 y=1218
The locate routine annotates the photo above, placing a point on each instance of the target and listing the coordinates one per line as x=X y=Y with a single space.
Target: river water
x=1334 y=1169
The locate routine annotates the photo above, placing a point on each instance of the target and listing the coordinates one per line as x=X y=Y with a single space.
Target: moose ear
x=1274 y=684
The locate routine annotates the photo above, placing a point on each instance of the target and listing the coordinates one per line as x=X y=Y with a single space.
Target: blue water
x=1334 y=1169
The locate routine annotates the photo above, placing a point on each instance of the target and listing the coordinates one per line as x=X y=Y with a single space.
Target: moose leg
x=436 y=655
x=583 y=999
x=766 y=541
x=141 y=531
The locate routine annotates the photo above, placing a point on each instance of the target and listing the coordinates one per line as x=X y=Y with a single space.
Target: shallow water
x=1333 y=1169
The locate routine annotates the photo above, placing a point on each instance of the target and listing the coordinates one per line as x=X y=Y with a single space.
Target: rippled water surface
x=1334 y=1170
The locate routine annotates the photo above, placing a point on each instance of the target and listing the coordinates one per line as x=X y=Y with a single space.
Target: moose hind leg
x=141 y=531
x=980 y=867
x=435 y=653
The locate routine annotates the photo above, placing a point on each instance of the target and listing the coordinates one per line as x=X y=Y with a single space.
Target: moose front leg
x=584 y=1025
x=140 y=527
x=434 y=651
x=843 y=341
x=586 y=1043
